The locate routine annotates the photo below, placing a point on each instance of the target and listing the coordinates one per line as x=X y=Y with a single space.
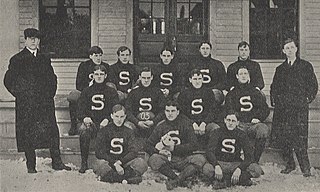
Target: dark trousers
x=85 y=137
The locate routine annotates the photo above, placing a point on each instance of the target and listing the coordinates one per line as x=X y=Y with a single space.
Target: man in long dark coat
x=294 y=86
x=31 y=80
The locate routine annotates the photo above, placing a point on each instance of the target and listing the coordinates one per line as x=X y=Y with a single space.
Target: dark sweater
x=116 y=143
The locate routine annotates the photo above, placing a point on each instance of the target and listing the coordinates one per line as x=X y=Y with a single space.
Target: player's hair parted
x=205 y=42
x=194 y=72
x=232 y=112
x=123 y=48
x=167 y=48
x=100 y=67
x=243 y=43
x=95 y=50
x=243 y=67
x=118 y=107
x=289 y=40
x=146 y=69
x=173 y=104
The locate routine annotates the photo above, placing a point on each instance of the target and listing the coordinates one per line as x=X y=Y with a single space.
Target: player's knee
x=156 y=161
x=255 y=170
x=130 y=125
x=208 y=170
x=139 y=165
x=262 y=130
x=73 y=96
x=198 y=160
x=211 y=126
x=101 y=167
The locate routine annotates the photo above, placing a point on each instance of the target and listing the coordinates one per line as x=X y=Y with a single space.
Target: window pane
x=158 y=10
x=85 y=3
x=49 y=2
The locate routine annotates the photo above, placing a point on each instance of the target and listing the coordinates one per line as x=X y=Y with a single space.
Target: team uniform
x=168 y=77
x=214 y=73
x=115 y=143
x=124 y=76
x=95 y=102
x=250 y=103
x=292 y=89
x=256 y=78
x=142 y=104
x=224 y=149
x=199 y=105
x=82 y=81
x=182 y=134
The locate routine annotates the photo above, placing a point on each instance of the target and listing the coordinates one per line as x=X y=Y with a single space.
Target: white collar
x=33 y=52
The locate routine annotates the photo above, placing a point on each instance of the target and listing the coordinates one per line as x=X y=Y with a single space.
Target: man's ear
x=283 y=51
x=111 y=115
x=237 y=76
x=190 y=79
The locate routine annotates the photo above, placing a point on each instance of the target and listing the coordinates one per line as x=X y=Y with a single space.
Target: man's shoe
x=134 y=180
x=32 y=171
x=219 y=184
x=287 y=170
x=61 y=166
x=83 y=168
x=171 y=184
x=307 y=173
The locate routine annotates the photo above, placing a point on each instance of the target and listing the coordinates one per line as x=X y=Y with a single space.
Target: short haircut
x=31 y=32
x=101 y=68
x=232 y=112
x=167 y=49
x=195 y=72
x=118 y=107
x=95 y=50
x=205 y=42
x=173 y=104
x=243 y=43
x=289 y=40
x=123 y=48
x=243 y=67
x=146 y=69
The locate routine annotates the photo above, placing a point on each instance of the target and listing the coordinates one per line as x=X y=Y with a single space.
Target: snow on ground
x=14 y=177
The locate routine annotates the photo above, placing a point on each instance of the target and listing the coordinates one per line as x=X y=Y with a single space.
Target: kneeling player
x=224 y=153
x=118 y=156
x=171 y=146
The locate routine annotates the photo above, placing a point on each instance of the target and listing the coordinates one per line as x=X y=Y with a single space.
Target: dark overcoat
x=292 y=89
x=32 y=81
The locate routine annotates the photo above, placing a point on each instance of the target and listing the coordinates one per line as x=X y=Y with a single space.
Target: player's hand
x=231 y=88
x=196 y=128
x=258 y=88
x=87 y=120
x=104 y=123
x=118 y=167
x=254 y=120
x=235 y=176
x=202 y=128
x=165 y=152
x=218 y=172
x=143 y=125
x=165 y=92
x=149 y=123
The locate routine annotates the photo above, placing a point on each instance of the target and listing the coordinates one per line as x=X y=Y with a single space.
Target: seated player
x=253 y=110
x=124 y=74
x=167 y=77
x=199 y=105
x=83 y=80
x=224 y=153
x=95 y=104
x=118 y=160
x=171 y=147
x=145 y=107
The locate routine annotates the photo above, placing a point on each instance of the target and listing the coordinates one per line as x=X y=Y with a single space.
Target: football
x=145 y=115
x=111 y=85
x=218 y=95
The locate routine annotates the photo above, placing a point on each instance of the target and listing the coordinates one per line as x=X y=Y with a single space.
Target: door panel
x=180 y=24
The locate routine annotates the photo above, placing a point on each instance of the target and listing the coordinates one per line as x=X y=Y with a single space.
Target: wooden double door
x=179 y=24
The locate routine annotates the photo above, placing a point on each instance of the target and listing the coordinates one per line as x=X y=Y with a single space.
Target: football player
x=94 y=109
x=178 y=156
x=118 y=160
x=252 y=108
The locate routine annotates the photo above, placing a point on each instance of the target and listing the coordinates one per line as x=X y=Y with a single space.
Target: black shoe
x=307 y=173
x=171 y=184
x=84 y=167
x=61 y=166
x=287 y=170
x=219 y=184
x=247 y=182
x=32 y=171
x=134 y=180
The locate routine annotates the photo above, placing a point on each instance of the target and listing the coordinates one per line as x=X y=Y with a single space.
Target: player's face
x=32 y=43
x=124 y=56
x=166 y=57
x=231 y=122
x=243 y=76
x=205 y=50
x=99 y=76
x=118 y=118
x=196 y=81
x=171 y=112
x=290 y=49
x=96 y=58
x=244 y=52
x=146 y=78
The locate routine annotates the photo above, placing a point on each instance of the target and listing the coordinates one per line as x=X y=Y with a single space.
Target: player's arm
x=221 y=76
x=190 y=146
x=81 y=79
x=211 y=149
x=261 y=111
x=128 y=105
x=101 y=150
x=132 y=152
x=247 y=150
x=83 y=106
x=258 y=77
x=311 y=82
x=152 y=141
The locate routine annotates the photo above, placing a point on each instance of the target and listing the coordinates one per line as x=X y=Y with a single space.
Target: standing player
x=83 y=80
x=167 y=78
x=145 y=106
x=177 y=128
x=256 y=78
x=294 y=86
x=246 y=100
x=124 y=74
x=118 y=156
x=95 y=104
x=199 y=105
x=224 y=153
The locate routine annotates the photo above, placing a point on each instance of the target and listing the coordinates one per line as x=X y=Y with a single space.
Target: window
x=65 y=27
x=270 y=22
